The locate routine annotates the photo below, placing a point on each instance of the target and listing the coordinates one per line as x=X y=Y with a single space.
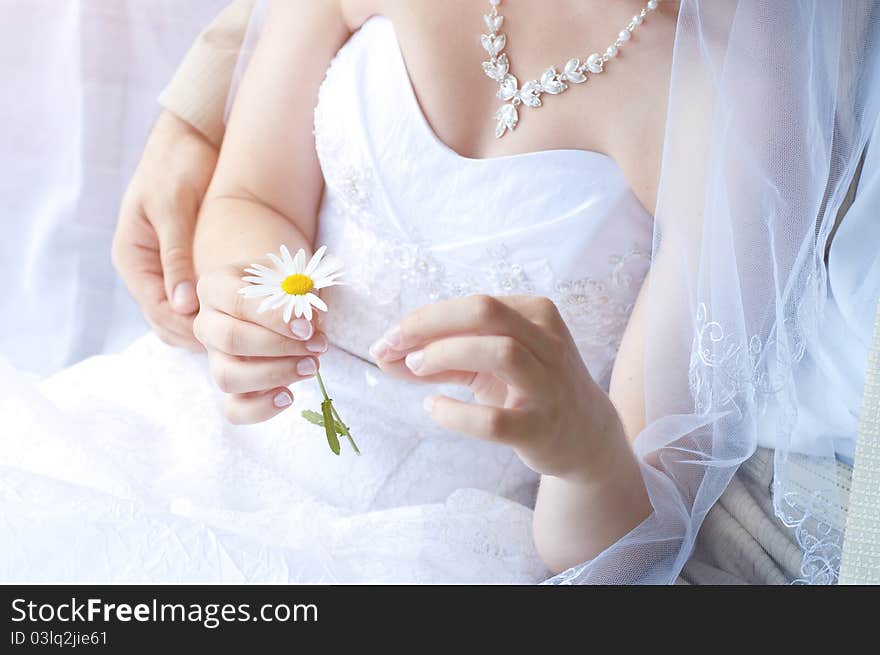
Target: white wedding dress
x=122 y=468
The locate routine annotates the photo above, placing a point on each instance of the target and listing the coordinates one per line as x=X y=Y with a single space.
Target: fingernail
x=301 y=328
x=428 y=403
x=283 y=399
x=184 y=297
x=306 y=367
x=392 y=337
x=317 y=344
x=414 y=360
x=378 y=349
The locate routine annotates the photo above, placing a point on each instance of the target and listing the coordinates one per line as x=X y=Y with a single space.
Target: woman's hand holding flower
x=531 y=386
x=255 y=354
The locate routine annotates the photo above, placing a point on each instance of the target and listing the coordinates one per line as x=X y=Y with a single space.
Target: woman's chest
x=416 y=222
x=620 y=112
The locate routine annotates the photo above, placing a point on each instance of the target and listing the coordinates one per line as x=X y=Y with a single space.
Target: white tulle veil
x=771 y=104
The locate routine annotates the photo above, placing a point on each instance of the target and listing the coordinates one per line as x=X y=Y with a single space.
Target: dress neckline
x=431 y=134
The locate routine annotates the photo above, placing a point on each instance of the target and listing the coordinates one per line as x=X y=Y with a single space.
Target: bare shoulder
x=405 y=12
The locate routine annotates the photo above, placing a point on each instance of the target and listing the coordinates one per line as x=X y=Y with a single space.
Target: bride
x=454 y=229
x=496 y=218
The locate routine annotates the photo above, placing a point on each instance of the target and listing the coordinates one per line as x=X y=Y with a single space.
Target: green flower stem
x=323 y=388
x=336 y=414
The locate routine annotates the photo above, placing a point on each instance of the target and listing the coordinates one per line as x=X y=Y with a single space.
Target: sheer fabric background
x=80 y=81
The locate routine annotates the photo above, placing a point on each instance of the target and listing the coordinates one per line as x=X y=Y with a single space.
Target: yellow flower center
x=297 y=285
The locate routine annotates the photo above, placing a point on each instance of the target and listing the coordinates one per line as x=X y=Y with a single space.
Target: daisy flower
x=290 y=284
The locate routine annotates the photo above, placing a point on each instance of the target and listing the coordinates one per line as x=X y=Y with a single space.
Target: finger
x=504 y=357
x=540 y=310
x=244 y=409
x=236 y=337
x=137 y=260
x=245 y=375
x=173 y=328
x=221 y=291
x=470 y=315
x=176 y=340
x=175 y=235
x=187 y=342
x=399 y=369
x=158 y=314
x=509 y=426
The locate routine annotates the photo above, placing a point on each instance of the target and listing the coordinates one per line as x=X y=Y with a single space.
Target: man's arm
x=152 y=247
x=197 y=93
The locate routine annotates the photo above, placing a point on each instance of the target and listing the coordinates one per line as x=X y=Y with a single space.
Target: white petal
x=328 y=281
x=307 y=311
x=299 y=261
x=267 y=275
x=266 y=305
x=329 y=266
x=260 y=269
x=316 y=301
x=257 y=291
x=254 y=279
x=288 y=309
x=321 y=282
x=276 y=261
x=285 y=255
x=324 y=273
x=280 y=299
x=297 y=305
x=315 y=260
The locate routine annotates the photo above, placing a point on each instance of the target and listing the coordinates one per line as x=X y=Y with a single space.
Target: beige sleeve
x=197 y=93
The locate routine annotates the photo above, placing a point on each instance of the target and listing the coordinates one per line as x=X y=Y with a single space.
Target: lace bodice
x=416 y=222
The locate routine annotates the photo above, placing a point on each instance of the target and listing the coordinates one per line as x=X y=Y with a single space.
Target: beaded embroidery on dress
x=124 y=465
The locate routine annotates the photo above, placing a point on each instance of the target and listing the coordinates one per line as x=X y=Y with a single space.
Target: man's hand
x=152 y=247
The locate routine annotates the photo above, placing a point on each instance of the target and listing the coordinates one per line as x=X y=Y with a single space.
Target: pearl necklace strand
x=551 y=82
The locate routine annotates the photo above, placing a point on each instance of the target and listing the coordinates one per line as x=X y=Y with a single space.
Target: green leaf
x=314 y=417
x=330 y=426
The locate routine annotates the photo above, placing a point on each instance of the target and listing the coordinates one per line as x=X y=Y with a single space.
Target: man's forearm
x=198 y=91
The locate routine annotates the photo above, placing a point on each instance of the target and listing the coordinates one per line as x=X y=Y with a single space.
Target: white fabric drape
x=78 y=96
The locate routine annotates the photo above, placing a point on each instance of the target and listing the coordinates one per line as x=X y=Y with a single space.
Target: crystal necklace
x=551 y=81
